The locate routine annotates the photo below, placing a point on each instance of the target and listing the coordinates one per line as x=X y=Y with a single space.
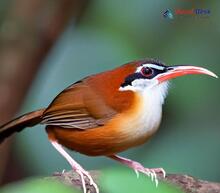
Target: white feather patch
x=150 y=66
x=147 y=118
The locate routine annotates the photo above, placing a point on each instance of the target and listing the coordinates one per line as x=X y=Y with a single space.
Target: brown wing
x=91 y=102
x=77 y=107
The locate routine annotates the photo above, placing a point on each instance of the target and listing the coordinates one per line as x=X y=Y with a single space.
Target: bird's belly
x=94 y=142
x=119 y=135
x=124 y=131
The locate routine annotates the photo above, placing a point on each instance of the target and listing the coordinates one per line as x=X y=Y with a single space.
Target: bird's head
x=153 y=73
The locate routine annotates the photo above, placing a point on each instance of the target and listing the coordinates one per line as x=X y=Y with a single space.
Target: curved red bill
x=176 y=71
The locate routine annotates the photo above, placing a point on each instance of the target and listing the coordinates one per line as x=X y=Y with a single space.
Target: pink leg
x=139 y=168
x=76 y=167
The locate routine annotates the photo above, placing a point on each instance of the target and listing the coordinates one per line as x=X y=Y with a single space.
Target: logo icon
x=186 y=13
x=168 y=14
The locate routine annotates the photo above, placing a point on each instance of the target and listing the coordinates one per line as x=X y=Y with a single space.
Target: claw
x=137 y=167
x=164 y=173
x=137 y=173
x=96 y=187
x=160 y=170
x=153 y=175
x=83 y=173
x=146 y=171
x=82 y=180
x=156 y=182
x=92 y=183
x=155 y=178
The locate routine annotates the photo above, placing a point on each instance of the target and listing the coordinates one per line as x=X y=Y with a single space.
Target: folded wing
x=78 y=107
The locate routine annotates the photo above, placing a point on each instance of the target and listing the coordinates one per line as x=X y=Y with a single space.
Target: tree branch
x=187 y=183
x=193 y=185
x=71 y=178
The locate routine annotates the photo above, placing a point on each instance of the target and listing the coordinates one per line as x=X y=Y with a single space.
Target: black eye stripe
x=146 y=72
x=130 y=78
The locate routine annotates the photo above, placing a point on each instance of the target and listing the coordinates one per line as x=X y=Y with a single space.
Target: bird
x=107 y=113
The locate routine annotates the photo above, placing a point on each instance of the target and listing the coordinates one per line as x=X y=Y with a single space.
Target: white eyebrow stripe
x=151 y=66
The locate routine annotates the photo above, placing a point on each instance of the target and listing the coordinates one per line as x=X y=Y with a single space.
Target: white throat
x=155 y=94
x=151 y=111
x=147 y=119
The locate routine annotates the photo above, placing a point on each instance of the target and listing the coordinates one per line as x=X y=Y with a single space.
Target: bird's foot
x=77 y=168
x=151 y=172
x=137 y=167
x=84 y=174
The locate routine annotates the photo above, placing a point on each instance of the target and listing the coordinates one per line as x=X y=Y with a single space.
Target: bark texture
x=187 y=183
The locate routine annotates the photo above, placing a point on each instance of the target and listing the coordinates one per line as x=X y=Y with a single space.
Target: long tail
x=18 y=124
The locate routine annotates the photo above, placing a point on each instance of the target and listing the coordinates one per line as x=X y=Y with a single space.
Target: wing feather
x=86 y=110
x=80 y=105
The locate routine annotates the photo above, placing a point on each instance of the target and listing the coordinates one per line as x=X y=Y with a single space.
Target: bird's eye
x=146 y=71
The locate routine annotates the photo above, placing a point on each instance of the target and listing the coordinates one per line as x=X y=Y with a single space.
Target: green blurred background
x=114 y=32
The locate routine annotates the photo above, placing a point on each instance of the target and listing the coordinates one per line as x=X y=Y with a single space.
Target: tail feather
x=18 y=124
